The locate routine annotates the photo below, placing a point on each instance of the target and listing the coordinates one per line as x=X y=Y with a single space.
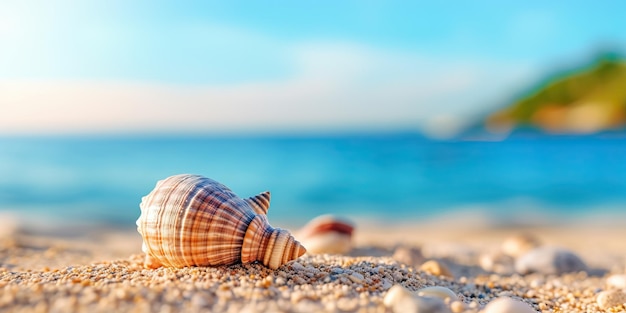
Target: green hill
x=586 y=100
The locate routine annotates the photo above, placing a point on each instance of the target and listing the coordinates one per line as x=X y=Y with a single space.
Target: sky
x=77 y=67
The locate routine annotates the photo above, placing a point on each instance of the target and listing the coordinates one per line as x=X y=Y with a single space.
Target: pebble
x=442 y=293
x=313 y=283
x=616 y=281
x=401 y=300
x=395 y=294
x=611 y=298
x=549 y=260
x=507 y=305
x=436 y=268
x=297 y=266
x=519 y=245
x=356 y=277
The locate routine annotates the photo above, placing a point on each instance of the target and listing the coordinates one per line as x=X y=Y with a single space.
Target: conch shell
x=190 y=220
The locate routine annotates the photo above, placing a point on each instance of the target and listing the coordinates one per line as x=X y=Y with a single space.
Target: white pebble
x=420 y=305
x=549 y=260
x=507 y=305
x=610 y=298
x=356 y=278
x=617 y=281
x=438 y=292
x=395 y=294
x=400 y=300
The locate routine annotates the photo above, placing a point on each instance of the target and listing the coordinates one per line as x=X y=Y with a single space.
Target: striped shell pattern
x=190 y=220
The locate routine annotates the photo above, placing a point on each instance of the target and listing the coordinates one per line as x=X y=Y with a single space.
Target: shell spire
x=191 y=220
x=271 y=246
x=260 y=203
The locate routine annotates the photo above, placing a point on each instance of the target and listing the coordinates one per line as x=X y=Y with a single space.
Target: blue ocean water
x=388 y=177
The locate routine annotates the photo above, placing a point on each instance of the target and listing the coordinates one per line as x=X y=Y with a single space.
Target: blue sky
x=144 y=66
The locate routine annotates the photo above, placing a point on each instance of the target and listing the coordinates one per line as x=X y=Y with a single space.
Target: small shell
x=327 y=234
x=190 y=220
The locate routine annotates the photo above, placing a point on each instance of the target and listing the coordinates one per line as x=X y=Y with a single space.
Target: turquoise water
x=394 y=177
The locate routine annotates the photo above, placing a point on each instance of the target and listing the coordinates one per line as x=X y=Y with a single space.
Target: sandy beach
x=100 y=270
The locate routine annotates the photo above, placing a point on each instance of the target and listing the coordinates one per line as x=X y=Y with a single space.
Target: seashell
x=549 y=260
x=327 y=234
x=507 y=305
x=190 y=220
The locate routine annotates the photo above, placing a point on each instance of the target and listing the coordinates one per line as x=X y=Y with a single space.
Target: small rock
x=442 y=293
x=386 y=284
x=395 y=294
x=519 y=245
x=616 y=281
x=508 y=305
x=400 y=300
x=610 y=298
x=297 y=266
x=436 y=268
x=549 y=260
x=427 y=305
x=356 y=278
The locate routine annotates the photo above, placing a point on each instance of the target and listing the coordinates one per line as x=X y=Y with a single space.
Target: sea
x=384 y=177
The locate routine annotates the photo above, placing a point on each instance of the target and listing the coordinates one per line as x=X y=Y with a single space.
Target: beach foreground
x=102 y=271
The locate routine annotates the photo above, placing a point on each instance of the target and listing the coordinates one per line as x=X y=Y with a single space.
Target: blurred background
x=509 y=113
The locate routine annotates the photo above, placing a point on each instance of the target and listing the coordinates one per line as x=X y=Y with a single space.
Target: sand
x=101 y=271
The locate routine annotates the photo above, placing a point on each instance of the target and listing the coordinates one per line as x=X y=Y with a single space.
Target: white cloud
x=335 y=86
